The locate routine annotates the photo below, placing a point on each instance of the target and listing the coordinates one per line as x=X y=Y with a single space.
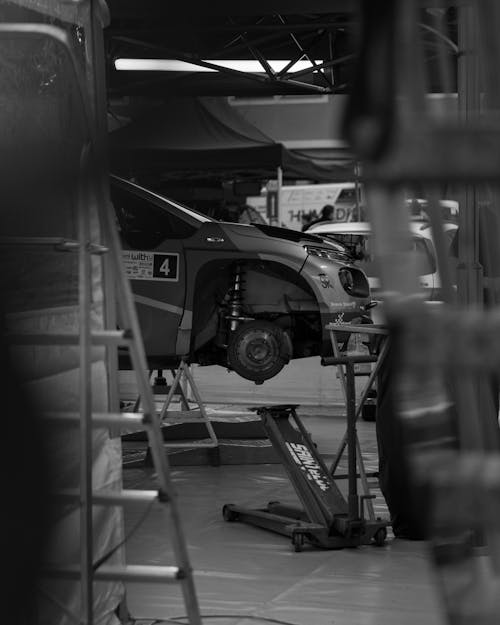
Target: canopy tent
x=206 y=137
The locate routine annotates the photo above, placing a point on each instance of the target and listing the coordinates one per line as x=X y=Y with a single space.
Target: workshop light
x=172 y=65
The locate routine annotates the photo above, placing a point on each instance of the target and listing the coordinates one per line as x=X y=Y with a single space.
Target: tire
x=369 y=413
x=229 y=515
x=298 y=542
x=380 y=536
x=258 y=350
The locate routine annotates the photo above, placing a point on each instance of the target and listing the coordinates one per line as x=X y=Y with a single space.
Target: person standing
x=327 y=214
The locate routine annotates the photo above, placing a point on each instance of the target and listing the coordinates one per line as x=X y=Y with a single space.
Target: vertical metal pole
x=358 y=203
x=86 y=533
x=391 y=242
x=97 y=80
x=94 y=173
x=279 y=177
x=469 y=271
x=352 y=499
x=440 y=243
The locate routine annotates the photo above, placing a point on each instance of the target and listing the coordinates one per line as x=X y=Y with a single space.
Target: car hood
x=285 y=233
x=272 y=234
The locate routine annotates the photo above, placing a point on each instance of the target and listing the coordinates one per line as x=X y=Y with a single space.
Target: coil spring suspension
x=236 y=298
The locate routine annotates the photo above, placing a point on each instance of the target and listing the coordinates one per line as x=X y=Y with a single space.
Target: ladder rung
x=140 y=573
x=125 y=573
x=59 y=243
x=119 y=498
x=98 y=337
x=127 y=496
x=126 y=420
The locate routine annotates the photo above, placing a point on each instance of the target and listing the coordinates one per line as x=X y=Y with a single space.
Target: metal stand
x=183 y=386
x=327 y=519
x=350 y=392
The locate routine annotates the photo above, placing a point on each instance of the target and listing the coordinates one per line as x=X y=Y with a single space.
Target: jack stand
x=327 y=519
x=192 y=410
x=160 y=385
x=183 y=384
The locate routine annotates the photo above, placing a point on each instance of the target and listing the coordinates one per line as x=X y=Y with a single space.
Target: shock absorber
x=236 y=298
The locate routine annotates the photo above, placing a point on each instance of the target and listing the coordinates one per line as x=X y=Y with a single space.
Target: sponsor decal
x=339 y=319
x=306 y=462
x=151 y=266
x=342 y=305
x=325 y=281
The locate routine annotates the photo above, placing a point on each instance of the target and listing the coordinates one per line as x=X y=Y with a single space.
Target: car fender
x=335 y=304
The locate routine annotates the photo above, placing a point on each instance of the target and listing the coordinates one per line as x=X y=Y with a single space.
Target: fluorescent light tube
x=172 y=65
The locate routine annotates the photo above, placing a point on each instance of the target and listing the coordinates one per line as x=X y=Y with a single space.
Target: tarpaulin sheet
x=199 y=135
x=50 y=378
x=39 y=287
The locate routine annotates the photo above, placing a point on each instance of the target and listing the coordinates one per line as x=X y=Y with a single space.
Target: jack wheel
x=380 y=536
x=229 y=515
x=298 y=542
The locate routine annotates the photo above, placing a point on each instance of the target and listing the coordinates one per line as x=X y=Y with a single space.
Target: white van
x=358 y=237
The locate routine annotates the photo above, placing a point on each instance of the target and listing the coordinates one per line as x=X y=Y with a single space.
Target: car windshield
x=361 y=247
x=159 y=200
x=146 y=219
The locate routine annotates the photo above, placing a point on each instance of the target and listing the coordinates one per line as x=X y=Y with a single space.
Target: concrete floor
x=249 y=575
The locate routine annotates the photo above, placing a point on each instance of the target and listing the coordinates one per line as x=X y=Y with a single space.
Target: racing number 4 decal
x=165 y=266
x=151 y=266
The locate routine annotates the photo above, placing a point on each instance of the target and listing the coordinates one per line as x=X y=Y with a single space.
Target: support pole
x=85 y=392
x=279 y=178
x=352 y=499
x=469 y=270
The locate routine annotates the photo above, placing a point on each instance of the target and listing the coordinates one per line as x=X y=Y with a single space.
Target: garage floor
x=248 y=575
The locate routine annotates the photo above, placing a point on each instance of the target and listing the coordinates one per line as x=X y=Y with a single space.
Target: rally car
x=248 y=297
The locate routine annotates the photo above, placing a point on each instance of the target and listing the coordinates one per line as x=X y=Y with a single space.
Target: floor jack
x=327 y=519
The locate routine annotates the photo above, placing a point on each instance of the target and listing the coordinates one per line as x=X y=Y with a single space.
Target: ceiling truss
x=329 y=39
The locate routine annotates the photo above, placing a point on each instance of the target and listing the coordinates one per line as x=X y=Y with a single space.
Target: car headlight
x=354 y=282
x=322 y=252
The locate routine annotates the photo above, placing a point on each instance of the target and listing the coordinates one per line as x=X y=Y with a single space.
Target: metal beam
x=303 y=52
x=258 y=56
x=159 y=8
x=242 y=46
x=277 y=29
x=188 y=58
x=340 y=60
x=469 y=271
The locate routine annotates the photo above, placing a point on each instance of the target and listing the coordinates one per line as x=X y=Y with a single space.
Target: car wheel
x=369 y=410
x=258 y=350
x=369 y=413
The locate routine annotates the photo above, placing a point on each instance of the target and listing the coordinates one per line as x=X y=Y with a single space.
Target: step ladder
x=88 y=571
